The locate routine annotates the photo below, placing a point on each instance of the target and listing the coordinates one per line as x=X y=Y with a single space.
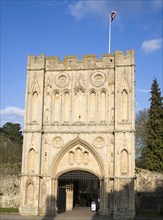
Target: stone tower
x=79 y=135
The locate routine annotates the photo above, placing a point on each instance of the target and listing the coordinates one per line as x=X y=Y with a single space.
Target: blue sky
x=80 y=27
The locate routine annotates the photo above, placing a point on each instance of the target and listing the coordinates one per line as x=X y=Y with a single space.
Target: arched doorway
x=77 y=188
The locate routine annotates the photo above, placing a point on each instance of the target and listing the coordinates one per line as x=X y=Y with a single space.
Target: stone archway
x=78 y=156
x=77 y=189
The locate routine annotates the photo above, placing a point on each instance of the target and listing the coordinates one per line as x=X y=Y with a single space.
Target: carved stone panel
x=98 y=78
x=57 y=142
x=78 y=157
x=98 y=142
x=62 y=79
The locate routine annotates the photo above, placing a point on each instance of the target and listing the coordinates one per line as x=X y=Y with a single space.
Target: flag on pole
x=113 y=15
x=111 y=18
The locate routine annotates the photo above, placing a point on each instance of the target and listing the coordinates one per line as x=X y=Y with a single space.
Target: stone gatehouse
x=79 y=141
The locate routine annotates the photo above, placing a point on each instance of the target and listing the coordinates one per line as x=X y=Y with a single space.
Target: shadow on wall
x=50 y=209
x=149 y=200
x=119 y=204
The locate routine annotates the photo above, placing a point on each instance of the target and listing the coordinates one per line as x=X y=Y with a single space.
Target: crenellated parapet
x=88 y=61
x=122 y=60
x=36 y=63
x=79 y=117
x=63 y=87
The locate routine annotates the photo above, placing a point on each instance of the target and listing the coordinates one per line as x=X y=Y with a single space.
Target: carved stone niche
x=79 y=156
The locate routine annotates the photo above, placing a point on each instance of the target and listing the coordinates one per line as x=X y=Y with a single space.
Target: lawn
x=9 y=210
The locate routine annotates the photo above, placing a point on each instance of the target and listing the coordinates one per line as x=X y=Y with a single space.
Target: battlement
x=89 y=61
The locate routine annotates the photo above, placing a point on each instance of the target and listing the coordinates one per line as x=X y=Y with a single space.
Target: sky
x=80 y=27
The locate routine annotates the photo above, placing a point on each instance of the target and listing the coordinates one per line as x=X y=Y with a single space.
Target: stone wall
x=9 y=185
x=148 y=188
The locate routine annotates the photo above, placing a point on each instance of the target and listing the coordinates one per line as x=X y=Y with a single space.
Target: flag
x=113 y=15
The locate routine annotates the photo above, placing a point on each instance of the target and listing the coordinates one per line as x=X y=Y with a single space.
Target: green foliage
x=141 y=134
x=13 y=131
x=11 y=140
x=9 y=210
x=152 y=154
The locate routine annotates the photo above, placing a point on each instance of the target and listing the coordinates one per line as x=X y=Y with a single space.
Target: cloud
x=11 y=110
x=12 y=114
x=81 y=9
x=150 y=46
x=157 y=4
x=143 y=90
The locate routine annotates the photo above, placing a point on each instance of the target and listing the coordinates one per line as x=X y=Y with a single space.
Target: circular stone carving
x=57 y=142
x=61 y=80
x=98 y=142
x=98 y=78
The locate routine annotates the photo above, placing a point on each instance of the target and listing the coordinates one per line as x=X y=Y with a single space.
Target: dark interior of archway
x=85 y=187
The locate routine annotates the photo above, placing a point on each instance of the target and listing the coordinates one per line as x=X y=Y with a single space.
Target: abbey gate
x=79 y=135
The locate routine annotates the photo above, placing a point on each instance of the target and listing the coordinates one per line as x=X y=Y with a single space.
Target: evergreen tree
x=153 y=151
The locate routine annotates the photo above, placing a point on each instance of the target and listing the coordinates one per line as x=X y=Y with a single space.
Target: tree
x=10 y=143
x=13 y=130
x=141 y=134
x=152 y=154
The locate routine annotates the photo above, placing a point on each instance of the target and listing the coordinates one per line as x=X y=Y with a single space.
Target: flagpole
x=109 y=32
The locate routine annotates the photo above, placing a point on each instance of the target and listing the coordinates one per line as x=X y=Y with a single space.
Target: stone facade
x=79 y=117
x=148 y=187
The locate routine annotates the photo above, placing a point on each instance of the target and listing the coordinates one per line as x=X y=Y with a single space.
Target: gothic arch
x=124 y=195
x=92 y=105
x=124 y=160
x=29 y=192
x=78 y=102
x=102 y=105
x=56 y=106
x=31 y=160
x=124 y=82
x=124 y=105
x=74 y=143
x=35 y=87
x=66 y=103
x=103 y=90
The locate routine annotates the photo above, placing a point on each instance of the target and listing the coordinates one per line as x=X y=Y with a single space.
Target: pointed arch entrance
x=77 y=188
x=78 y=171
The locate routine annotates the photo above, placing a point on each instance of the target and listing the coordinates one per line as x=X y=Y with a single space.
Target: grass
x=148 y=213
x=9 y=210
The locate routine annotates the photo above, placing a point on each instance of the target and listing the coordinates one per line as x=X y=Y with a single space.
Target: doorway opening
x=77 y=189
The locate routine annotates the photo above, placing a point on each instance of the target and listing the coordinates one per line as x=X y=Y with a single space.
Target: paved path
x=76 y=214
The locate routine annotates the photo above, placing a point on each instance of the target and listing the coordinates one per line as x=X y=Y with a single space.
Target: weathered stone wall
x=79 y=116
x=148 y=188
x=9 y=185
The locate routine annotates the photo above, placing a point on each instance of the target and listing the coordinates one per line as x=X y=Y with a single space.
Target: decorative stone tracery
x=79 y=117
